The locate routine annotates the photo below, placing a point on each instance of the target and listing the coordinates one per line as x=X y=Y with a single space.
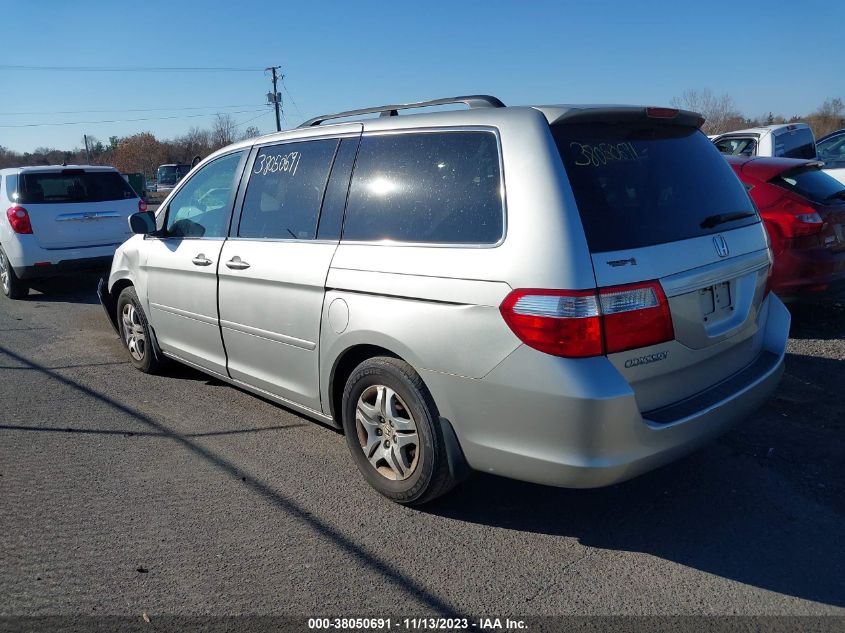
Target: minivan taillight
x=142 y=206
x=581 y=323
x=19 y=219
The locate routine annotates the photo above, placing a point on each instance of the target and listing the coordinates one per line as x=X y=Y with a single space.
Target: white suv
x=59 y=220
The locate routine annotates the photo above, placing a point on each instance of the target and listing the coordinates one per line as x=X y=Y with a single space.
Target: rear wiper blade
x=721 y=218
x=838 y=194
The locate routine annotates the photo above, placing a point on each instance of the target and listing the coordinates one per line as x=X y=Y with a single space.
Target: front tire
x=13 y=287
x=393 y=432
x=135 y=334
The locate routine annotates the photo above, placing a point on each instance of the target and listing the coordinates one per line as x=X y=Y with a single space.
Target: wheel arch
x=345 y=364
x=342 y=368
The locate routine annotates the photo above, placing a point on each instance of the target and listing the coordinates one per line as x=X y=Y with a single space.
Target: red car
x=803 y=209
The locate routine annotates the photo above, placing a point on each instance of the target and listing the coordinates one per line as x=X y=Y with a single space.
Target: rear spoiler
x=626 y=114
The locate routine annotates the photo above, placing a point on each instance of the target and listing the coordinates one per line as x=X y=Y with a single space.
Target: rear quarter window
x=640 y=184
x=427 y=187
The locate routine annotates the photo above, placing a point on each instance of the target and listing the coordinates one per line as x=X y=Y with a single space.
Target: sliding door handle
x=236 y=263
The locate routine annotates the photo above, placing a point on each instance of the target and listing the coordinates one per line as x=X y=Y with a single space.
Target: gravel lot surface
x=124 y=494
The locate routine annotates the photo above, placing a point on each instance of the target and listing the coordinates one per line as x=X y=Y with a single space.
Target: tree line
x=141 y=152
x=144 y=152
x=722 y=115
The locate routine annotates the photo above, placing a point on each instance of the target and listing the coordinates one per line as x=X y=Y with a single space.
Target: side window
x=12 y=187
x=334 y=202
x=285 y=190
x=737 y=146
x=202 y=206
x=434 y=187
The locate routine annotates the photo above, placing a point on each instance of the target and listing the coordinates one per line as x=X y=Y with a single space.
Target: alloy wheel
x=4 y=273
x=133 y=332
x=387 y=432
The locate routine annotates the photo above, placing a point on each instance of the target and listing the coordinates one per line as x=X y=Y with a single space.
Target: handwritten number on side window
x=277 y=163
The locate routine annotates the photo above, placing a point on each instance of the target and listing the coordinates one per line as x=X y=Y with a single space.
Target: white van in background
x=789 y=140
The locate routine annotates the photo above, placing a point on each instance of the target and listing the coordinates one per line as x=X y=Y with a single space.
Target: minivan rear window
x=811 y=183
x=640 y=184
x=72 y=185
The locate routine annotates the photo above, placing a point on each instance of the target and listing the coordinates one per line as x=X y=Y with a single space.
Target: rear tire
x=393 y=431
x=135 y=333
x=13 y=287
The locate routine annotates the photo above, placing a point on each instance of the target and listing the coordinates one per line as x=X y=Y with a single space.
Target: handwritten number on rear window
x=603 y=153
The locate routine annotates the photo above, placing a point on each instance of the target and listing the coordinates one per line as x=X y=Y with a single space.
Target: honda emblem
x=721 y=246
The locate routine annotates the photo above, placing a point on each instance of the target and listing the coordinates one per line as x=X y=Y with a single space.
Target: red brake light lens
x=19 y=219
x=581 y=323
x=557 y=322
x=801 y=219
x=661 y=113
x=142 y=206
x=635 y=315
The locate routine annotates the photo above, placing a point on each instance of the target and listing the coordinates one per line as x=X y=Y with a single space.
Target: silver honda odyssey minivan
x=568 y=295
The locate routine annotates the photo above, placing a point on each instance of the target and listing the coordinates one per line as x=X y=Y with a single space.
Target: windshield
x=73 y=185
x=639 y=184
x=166 y=174
x=811 y=183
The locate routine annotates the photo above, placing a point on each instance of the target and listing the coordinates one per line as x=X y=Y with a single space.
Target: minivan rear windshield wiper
x=721 y=218
x=838 y=194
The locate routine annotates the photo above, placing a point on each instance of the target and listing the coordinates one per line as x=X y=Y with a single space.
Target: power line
x=252 y=119
x=290 y=96
x=219 y=107
x=131 y=69
x=164 y=118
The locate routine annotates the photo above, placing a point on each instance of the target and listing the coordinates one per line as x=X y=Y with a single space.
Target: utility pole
x=275 y=97
x=87 y=153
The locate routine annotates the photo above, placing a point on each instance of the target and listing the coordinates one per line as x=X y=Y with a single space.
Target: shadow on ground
x=823 y=320
x=78 y=288
x=759 y=507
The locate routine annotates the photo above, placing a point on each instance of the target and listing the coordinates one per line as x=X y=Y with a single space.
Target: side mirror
x=142 y=223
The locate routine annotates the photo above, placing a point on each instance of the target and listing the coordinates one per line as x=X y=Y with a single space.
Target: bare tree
x=197 y=142
x=223 y=131
x=250 y=132
x=828 y=118
x=720 y=112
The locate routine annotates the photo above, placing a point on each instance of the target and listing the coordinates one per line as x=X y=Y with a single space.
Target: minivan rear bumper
x=575 y=422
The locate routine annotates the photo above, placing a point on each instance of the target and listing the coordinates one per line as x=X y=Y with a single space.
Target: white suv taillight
x=142 y=206
x=580 y=323
x=19 y=219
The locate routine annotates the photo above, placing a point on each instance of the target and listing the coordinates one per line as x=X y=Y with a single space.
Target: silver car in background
x=568 y=295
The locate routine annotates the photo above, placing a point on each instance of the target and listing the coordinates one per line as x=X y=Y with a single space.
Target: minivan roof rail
x=473 y=101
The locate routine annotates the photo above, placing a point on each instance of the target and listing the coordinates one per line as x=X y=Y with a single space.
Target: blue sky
x=766 y=55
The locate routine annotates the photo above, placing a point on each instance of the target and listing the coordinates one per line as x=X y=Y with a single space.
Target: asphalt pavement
x=126 y=494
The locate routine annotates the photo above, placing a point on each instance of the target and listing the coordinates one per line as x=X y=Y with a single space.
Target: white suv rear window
x=72 y=185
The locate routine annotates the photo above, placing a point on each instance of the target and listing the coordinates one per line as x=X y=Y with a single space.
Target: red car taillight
x=19 y=219
x=142 y=206
x=580 y=323
x=800 y=219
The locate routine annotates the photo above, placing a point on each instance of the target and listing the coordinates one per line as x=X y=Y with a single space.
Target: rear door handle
x=236 y=263
x=201 y=260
